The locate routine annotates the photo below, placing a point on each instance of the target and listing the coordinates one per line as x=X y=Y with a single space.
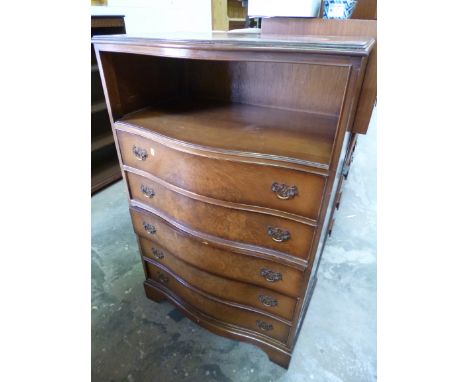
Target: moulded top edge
x=251 y=41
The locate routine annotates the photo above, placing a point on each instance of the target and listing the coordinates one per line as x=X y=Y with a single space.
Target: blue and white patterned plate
x=338 y=9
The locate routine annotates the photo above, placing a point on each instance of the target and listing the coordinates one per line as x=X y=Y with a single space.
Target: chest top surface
x=348 y=45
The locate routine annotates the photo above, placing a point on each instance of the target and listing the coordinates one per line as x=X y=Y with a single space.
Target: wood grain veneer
x=227 y=223
x=232 y=149
x=246 y=294
x=231 y=181
x=218 y=308
x=221 y=261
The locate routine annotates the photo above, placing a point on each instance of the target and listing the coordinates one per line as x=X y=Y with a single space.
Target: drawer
x=207 y=256
x=224 y=288
x=248 y=227
x=229 y=314
x=277 y=188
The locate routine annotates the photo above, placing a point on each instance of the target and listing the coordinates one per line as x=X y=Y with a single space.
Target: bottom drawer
x=220 y=311
x=224 y=288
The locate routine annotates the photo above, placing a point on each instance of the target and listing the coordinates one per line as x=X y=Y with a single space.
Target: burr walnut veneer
x=232 y=148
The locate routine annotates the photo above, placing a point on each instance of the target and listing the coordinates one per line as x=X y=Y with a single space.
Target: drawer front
x=264 y=186
x=204 y=255
x=222 y=312
x=223 y=288
x=254 y=228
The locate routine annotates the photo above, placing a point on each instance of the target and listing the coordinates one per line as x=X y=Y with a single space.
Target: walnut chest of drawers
x=232 y=148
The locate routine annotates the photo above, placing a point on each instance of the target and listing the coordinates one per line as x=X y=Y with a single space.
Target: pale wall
x=152 y=16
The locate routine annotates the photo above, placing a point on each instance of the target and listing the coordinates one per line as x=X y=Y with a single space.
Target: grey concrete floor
x=134 y=339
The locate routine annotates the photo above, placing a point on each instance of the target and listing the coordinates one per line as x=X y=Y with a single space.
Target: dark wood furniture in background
x=233 y=150
x=105 y=167
x=365 y=10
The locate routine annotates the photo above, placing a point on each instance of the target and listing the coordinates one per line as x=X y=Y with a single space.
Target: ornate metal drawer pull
x=157 y=253
x=148 y=192
x=162 y=278
x=141 y=154
x=271 y=276
x=283 y=191
x=267 y=300
x=264 y=326
x=278 y=234
x=149 y=228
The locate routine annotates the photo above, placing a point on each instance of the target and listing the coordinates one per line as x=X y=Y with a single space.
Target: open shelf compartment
x=234 y=127
x=274 y=109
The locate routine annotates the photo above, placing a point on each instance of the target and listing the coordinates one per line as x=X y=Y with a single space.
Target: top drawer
x=277 y=188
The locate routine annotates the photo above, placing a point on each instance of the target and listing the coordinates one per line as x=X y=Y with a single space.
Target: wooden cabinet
x=232 y=149
x=105 y=167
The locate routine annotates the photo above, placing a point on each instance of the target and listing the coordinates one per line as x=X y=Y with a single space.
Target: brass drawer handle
x=157 y=253
x=149 y=228
x=148 y=192
x=141 y=154
x=278 y=234
x=162 y=278
x=264 y=325
x=267 y=300
x=271 y=276
x=283 y=191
